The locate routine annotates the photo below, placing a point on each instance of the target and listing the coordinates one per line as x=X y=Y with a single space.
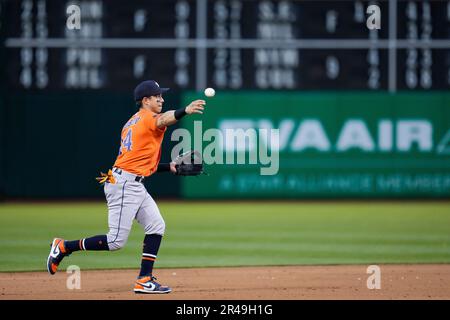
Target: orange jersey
x=140 y=145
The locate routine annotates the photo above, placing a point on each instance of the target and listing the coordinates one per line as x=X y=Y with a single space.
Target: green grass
x=237 y=233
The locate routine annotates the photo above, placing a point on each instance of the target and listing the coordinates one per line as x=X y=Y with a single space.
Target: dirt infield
x=243 y=283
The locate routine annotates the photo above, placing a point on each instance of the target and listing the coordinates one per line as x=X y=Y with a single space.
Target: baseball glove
x=189 y=163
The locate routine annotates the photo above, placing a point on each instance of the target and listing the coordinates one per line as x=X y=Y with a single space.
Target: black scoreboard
x=226 y=44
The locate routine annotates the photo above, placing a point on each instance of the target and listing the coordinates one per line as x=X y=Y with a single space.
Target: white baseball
x=210 y=92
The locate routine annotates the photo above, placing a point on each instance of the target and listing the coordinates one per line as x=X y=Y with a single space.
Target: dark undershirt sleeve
x=163 y=167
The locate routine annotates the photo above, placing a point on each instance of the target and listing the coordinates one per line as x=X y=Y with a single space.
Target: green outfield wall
x=56 y=143
x=2 y=147
x=331 y=145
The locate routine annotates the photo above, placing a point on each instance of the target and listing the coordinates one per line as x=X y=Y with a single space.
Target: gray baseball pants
x=128 y=200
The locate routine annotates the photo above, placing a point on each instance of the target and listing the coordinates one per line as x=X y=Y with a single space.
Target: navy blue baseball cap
x=148 y=88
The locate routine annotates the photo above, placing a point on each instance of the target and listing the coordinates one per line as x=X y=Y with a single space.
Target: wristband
x=180 y=113
x=163 y=167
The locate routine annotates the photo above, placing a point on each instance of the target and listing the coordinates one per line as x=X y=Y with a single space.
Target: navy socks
x=149 y=253
x=96 y=243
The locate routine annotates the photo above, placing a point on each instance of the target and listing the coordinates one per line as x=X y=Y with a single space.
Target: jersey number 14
x=127 y=142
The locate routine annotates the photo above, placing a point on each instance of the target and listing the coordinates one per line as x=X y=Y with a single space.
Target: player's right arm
x=172 y=116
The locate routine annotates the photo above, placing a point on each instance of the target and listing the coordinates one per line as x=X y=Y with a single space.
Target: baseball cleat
x=149 y=285
x=57 y=253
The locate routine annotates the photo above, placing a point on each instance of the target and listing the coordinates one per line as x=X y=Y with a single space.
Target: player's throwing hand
x=196 y=106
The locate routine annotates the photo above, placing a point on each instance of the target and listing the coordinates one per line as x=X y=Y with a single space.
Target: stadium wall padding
x=332 y=144
x=57 y=143
x=2 y=147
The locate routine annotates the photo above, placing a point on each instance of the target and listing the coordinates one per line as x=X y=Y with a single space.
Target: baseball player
x=126 y=196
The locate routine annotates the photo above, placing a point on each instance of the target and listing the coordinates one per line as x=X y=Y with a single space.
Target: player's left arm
x=172 y=116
